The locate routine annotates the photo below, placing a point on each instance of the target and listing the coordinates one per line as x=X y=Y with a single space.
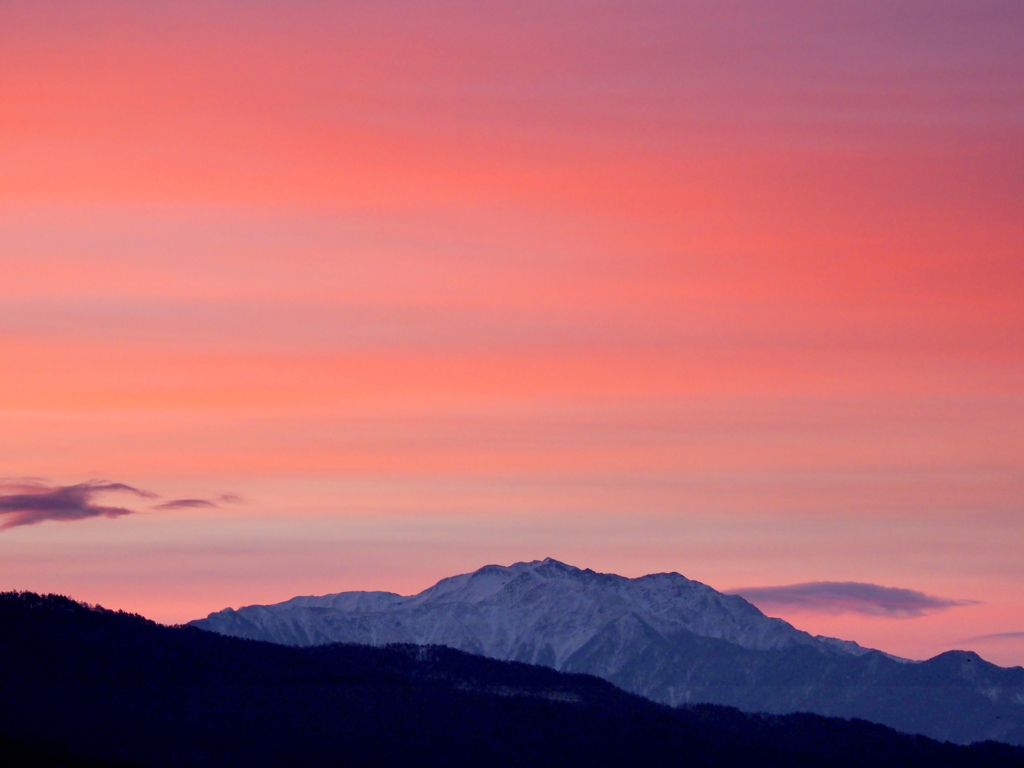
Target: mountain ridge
x=496 y=590
x=663 y=636
x=115 y=687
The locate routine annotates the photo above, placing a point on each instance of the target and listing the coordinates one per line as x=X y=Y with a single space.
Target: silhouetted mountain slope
x=18 y=753
x=663 y=636
x=113 y=686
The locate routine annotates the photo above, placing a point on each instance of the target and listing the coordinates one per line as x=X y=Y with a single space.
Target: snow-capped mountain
x=662 y=636
x=83 y=685
x=542 y=612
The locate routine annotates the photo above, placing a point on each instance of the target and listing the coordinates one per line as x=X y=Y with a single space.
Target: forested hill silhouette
x=111 y=686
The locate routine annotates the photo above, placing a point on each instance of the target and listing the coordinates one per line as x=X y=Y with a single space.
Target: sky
x=305 y=297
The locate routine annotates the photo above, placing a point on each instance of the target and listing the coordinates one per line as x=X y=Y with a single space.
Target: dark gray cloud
x=31 y=501
x=849 y=597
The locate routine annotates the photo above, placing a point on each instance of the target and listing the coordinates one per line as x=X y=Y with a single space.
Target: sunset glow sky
x=733 y=289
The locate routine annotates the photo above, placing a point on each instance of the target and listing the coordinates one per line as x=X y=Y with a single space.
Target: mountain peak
x=662 y=635
x=539 y=611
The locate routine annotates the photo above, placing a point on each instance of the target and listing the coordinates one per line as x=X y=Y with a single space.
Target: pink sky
x=723 y=288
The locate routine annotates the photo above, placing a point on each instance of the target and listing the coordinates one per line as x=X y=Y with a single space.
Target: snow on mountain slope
x=540 y=612
x=662 y=636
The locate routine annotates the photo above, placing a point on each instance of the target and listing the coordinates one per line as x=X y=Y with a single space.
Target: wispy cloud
x=849 y=597
x=185 y=504
x=224 y=498
x=996 y=636
x=28 y=502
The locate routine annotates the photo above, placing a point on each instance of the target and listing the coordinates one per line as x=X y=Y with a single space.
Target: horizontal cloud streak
x=996 y=636
x=34 y=502
x=28 y=501
x=224 y=498
x=185 y=504
x=849 y=597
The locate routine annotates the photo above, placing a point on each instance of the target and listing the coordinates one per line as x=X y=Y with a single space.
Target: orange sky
x=710 y=287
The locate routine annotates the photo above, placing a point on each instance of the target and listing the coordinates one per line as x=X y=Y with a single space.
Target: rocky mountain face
x=542 y=612
x=663 y=636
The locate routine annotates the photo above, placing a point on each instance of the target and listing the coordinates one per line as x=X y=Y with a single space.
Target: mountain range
x=663 y=636
x=85 y=687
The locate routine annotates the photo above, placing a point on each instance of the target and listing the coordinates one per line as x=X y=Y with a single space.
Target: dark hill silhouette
x=110 y=686
x=18 y=753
